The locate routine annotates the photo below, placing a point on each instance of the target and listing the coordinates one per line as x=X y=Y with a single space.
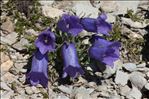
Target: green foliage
x=133 y=16
x=116 y=31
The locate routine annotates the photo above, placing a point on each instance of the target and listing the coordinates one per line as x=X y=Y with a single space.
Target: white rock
x=124 y=90
x=46 y=2
x=6 y=66
x=141 y=65
x=134 y=93
x=4 y=86
x=133 y=24
x=8 y=78
x=65 y=89
x=111 y=18
x=137 y=80
x=20 y=45
x=32 y=32
x=61 y=96
x=110 y=71
x=84 y=8
x=28 y=90
x=9 y=39
x=7 y=95
x=51 y=12
x=121 y=78
x=119 y=7
x=130 y=66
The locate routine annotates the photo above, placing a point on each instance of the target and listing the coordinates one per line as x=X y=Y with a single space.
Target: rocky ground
x=129 y=79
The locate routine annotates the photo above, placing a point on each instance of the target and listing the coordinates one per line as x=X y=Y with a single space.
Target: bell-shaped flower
x=104 y=51
x=46 y=41
x=98 y=25
x=70 y=24
x=38 y=73
x=70 y=60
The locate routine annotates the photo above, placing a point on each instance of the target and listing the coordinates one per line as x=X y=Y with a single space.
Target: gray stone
x=46 y=2
x=130 y=66
x=7 y=95
x=141 y=65
x=4 y=86
x=81 y=93
x=65 y=89
x=20 y=45
x=102 y=88
x=115 y=97
x=9 y=39
x=118 y=7
x=28 y=90
x=121 y=78
x=111 y=18
x=124 y=90
x=32 y=32
x=133 y=24
x=134 y=93
x=8 y=78
x=137 y=80
x=84 y=8
x=110 y=71
x=61 y=96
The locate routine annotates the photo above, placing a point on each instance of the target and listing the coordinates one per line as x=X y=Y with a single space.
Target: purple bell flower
x=98 y=25
x=104 y=51
x=70 y=24
x=38 y=73
x=71 y=62
x=45 y=41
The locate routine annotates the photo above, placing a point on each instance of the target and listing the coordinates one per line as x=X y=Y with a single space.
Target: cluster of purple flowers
x=101 y=50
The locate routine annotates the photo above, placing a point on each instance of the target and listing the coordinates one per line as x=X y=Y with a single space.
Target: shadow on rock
x=145 y=50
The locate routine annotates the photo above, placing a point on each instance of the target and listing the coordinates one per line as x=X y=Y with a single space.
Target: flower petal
x=89 y=24
x=38 y=73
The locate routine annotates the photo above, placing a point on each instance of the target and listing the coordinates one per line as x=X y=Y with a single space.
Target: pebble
x=124 y=90
x=32 y=32
x=133 y=24
x=8 y=78
x=65 y=89
x=20 y=45
x=9 y=39
x=121 y=78
x=115 y=97
x=7 y=95
x=130 y=66
x=102 y=88
x=134 y=93
x=137 y=80
x=4 y=86
x=61 y=96
x=28 y=90
x=141 y=65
